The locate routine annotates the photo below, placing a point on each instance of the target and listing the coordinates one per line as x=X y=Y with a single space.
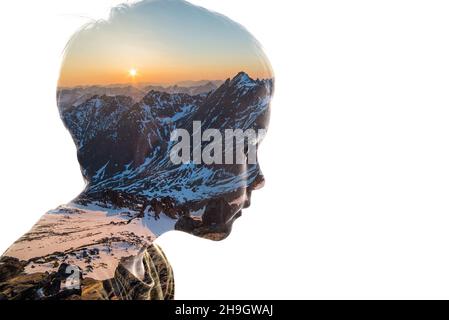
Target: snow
x=160 y=225
x=93 y=240
x=100 y=172
x=242 y=80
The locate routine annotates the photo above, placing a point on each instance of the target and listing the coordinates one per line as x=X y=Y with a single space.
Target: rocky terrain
x=157 y=283
x=125 y=146
x=100 y=246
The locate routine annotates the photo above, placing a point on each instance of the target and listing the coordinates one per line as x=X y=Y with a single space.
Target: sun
x=132 y=72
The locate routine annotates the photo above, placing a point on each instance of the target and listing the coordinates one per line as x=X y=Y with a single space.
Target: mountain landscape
x=124 y=146
x=68 y=97
x=134 y=192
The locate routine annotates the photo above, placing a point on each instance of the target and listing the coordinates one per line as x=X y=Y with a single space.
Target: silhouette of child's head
x=167 y=104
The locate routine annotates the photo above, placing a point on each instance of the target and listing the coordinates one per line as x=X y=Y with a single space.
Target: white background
x=356 y=203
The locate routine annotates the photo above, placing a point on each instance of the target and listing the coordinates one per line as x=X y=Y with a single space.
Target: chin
x=218 y=215
x=214 y=224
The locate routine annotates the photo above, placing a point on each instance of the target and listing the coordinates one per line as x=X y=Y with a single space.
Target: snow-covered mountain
x=68 y=97
x=125 y=146
x=134 y=191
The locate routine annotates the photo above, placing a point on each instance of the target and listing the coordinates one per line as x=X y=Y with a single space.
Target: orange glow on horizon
x=136 y=76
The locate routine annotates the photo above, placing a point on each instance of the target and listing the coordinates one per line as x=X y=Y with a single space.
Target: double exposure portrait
x=167 y=104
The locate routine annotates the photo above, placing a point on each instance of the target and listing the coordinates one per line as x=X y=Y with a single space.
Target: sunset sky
x=161 y=42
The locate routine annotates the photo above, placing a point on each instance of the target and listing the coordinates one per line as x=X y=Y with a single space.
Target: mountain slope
x=125 y=146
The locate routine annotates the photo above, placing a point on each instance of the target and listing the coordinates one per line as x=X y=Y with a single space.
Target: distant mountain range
x=74 y=96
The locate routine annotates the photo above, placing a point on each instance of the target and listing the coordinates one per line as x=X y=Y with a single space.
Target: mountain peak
x=241 y=75
x=242 y=79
